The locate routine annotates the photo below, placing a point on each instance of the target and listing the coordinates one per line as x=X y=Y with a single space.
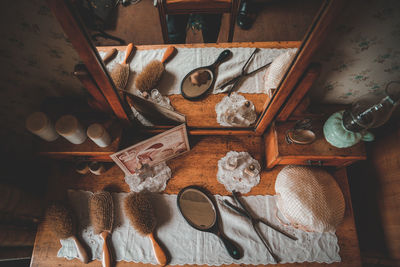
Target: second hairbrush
x=139 y=210
x=151 y=74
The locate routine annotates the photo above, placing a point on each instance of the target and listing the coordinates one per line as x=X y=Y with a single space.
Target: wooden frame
x=74 y=29
x=80 y=40
x=311 y=42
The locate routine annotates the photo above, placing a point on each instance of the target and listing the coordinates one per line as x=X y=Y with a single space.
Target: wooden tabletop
x=197 y=167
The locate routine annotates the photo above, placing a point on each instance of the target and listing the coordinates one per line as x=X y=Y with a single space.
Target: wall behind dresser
x=37 y=62
x=361 y=54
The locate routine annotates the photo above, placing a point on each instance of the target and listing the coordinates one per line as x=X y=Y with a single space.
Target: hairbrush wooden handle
x=168 y=53
x=106 y=259
x=128 y=52
x=82 y=255
x=109 y=55
x=158 y=251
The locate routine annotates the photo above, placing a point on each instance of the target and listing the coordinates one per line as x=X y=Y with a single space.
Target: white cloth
x=189 y=246
x=187 y=59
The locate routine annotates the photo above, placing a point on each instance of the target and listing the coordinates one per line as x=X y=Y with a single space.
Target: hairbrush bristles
x=139 y=210
x=101 y=211
x=120 y=75
x=150 y=76
x=61 y=220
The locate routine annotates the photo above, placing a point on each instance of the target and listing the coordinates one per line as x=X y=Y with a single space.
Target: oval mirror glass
x=197 y=209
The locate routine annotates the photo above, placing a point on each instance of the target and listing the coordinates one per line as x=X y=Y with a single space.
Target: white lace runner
x=189 y=246
x=188 y=59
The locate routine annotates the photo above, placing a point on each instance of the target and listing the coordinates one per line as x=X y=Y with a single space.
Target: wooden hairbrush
x=120 y=72
x=140 y=212
x=151 y=74
x=101 y=211
x=63 y=224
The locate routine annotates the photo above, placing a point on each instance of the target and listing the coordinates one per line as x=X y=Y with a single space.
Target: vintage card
x=159 y=148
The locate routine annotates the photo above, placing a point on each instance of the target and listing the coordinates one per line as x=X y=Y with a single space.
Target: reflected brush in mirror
x=120 y=73
x=151 y=74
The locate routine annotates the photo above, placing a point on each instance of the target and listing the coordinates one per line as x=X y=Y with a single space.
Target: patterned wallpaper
x=36 y=62
x=362 y=53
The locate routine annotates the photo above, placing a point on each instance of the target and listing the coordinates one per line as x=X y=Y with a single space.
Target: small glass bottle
x=251 y=170
x=144 y=171
x=231 y=163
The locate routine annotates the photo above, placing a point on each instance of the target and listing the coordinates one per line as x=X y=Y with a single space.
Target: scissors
x=235 y=81
x=254 y=221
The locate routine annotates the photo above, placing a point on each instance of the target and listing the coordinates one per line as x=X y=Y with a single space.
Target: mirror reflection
x=197 y=209
x=249 y=75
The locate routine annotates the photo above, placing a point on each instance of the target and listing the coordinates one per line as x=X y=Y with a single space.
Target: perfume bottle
x=231 y=163
x=144 y=171
x=347 y=127
x=251 y=170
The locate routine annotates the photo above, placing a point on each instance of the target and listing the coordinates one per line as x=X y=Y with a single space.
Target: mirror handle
x=221 y=58
x=232 y=249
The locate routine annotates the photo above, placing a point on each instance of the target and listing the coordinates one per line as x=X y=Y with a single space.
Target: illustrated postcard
x=159 y=148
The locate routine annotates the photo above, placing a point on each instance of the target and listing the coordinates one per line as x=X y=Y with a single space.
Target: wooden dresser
x=198 y=167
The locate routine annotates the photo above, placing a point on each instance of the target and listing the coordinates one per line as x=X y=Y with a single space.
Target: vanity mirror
x=266 y=100
x=201 y=213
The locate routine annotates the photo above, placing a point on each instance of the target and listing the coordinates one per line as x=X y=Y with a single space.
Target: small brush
x=101 y=211
x=62 y=223
x=120 y=72
x=151 y=74
x=140 y=212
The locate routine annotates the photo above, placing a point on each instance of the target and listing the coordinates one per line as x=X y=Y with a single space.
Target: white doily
x=189 y=246
x=235 y=110
x=157 y=183
x=235 y=178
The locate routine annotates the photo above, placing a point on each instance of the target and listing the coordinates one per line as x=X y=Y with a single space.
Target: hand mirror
x=200 y=212
x=198 y=81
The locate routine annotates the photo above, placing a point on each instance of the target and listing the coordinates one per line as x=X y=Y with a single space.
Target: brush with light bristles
x=101 y=211
x=140 y=212
x=151 y=74
x=120 y=72
x=62 y=223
